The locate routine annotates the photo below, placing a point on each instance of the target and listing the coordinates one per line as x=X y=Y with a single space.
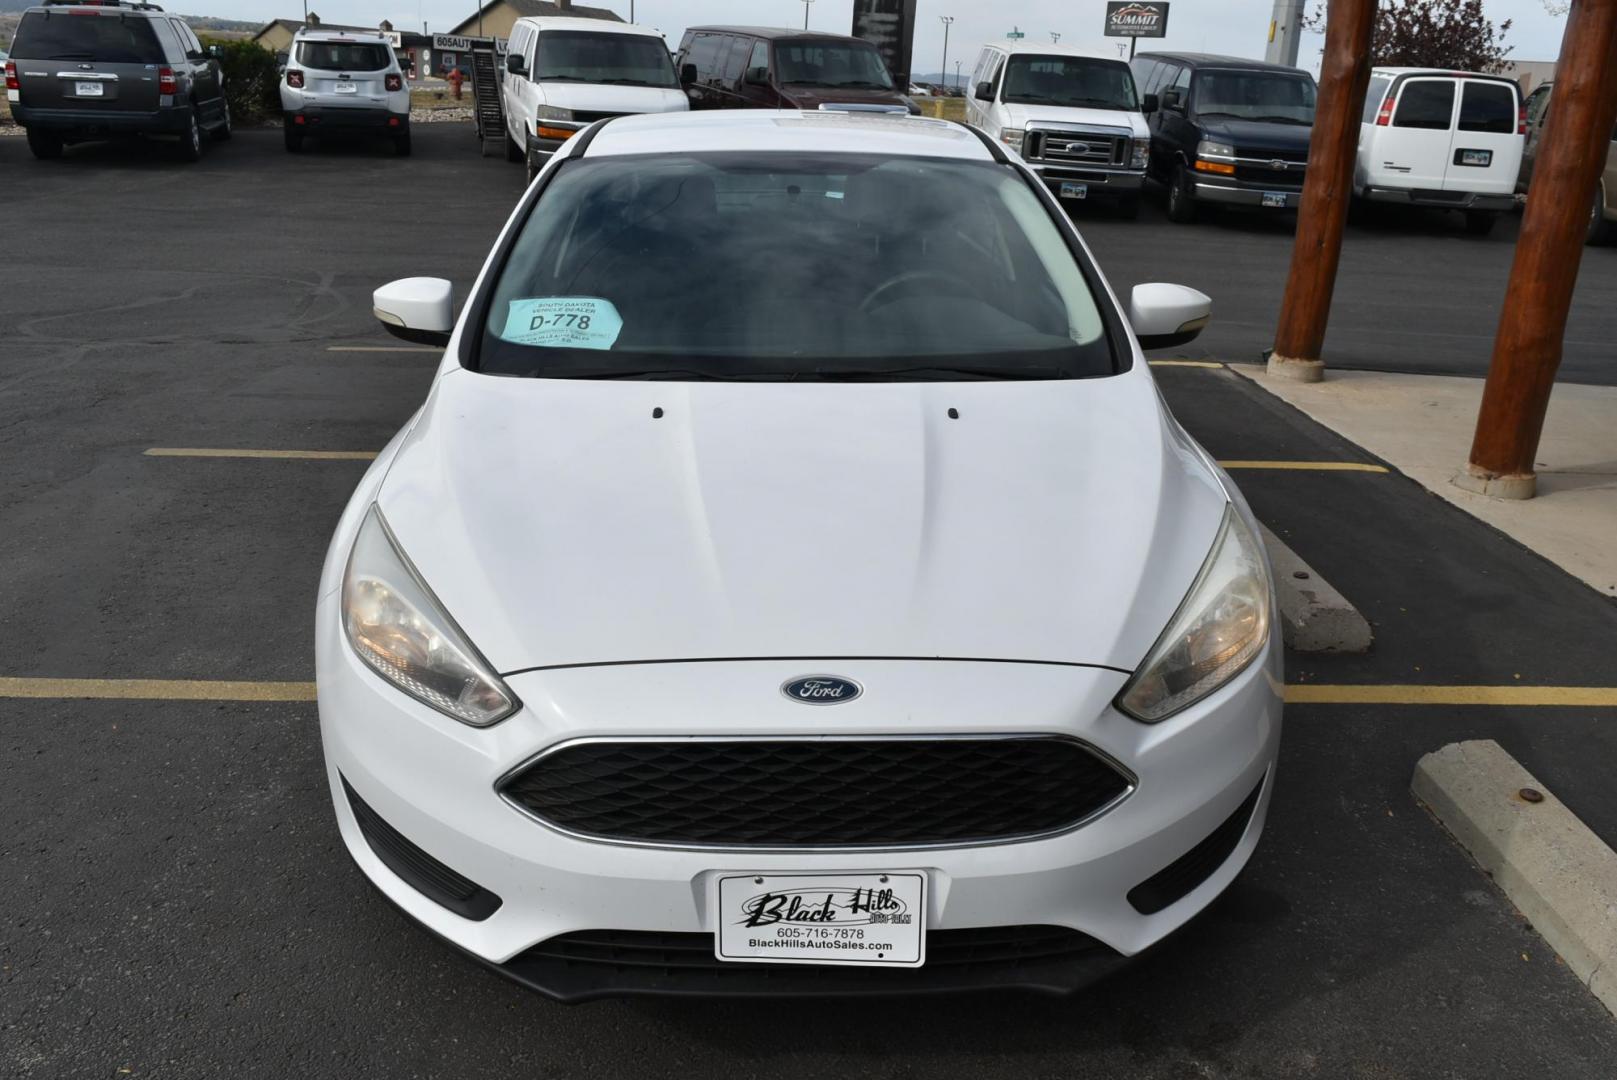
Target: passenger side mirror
x=1164 y=316
x=418 y=309
x=758 y=76
x=1149 y=104
x=687 y=75
x=516 y=64
x=984 y=92
x=1173 y=101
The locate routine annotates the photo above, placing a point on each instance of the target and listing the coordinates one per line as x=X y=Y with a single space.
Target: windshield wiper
x=631 y=82
x=1284 y=120
x=941 y=373
x=861 y=85
x=810 y=82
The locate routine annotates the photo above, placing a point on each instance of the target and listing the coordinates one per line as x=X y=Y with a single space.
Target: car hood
x=1252 y=135
x=560 y=523
x=608 y=98
x=1055 y=115
x=812 y=97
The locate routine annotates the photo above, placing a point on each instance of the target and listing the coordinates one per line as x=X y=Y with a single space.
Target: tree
x=1450 y=34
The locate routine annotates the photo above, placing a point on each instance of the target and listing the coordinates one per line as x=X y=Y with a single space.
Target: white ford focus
x=794 y=582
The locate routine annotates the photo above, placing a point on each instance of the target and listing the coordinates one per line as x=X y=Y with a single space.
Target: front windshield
x=1255 y=95
x=1076 y=81
x=784 y=266
x=593 y=57
x=834 y=63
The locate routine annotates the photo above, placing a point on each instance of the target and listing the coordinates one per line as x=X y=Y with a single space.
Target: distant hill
x=199 y=22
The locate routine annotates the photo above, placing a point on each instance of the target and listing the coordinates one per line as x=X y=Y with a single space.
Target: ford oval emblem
x=821 y=689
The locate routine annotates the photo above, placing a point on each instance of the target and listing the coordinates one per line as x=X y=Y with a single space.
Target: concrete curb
x=1558 y=873
x=1314 y=617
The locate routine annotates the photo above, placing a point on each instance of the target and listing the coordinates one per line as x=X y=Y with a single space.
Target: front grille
x=878 y=792
x=1258 y=166
x=604 y=963
x=591 y=117
x=1077 y=147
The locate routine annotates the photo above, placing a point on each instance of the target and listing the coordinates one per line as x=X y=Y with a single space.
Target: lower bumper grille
x=1180 y=877
x=602 y=963
x=420 y=871
x=876 y=792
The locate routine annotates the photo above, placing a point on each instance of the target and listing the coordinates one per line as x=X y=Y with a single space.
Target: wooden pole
x=1328 y=185
x=1527 y=349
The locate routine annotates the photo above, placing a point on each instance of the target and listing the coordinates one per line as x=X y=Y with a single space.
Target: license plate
x=88 y=89
x=1483 y=158
x=1274 y=198
x=1074 y=191
x=347 y=88
x=873 y=920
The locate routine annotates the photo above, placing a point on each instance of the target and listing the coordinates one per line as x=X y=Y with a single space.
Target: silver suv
x=344 y=83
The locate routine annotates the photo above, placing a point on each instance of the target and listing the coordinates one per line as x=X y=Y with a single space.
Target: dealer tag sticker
x=563 y=322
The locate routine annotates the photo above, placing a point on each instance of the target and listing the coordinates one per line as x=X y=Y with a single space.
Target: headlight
x=1012 y=137
x=550 y=112
x=1213 y=150
x=1141 y=154
x=1222 y=624
x=396 y=626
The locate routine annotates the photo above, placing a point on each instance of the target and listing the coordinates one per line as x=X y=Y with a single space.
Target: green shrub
x=252 y=83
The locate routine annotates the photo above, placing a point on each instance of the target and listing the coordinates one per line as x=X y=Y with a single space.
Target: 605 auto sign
x=1130 y=18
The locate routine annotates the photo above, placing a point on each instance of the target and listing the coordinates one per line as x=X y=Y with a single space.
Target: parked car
x=757 y=67
x=1073 y=115
x=1226 y=130
x=564 y=73
x=344 y=84
x=1603 y=209
x=84 y=71
x=1445 y=139
x=793 y=581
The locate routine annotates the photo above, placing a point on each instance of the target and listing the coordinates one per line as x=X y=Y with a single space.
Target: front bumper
x=433 y=781
x=1102 y=182
x=314 y=119
x=94 y=122
x=1447 y=200
x=1232 y=192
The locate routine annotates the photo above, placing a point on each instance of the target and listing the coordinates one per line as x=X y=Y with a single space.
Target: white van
x=562 y=74
x=1072 y=114
x=1443 y=139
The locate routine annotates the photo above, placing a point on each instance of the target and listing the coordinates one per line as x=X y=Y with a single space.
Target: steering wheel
x=909 y=279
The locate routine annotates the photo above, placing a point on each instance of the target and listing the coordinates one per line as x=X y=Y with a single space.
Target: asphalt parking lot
x=174 y=898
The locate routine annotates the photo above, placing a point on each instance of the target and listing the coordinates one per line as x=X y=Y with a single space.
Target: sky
x=1239 y=27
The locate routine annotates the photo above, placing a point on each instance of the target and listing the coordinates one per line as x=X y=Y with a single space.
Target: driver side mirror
x=1164 y=316
x=216 y=51
x=984 y=92
x=1173 y=101
x=516 y=64
x=1149 y=104
x=758 y=76
x=421 y=310
x=687 y=75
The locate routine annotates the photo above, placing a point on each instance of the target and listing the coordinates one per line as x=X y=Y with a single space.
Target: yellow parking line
x=382 y=348
x=157 y=689
x=1185 y=363
x=1308 y=466
x=1323 y=694
x=307 y=455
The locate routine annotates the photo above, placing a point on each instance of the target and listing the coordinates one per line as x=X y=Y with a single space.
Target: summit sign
x=1131 y=18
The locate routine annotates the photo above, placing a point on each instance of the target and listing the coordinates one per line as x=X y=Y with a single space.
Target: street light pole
x=956 y=74
x=944 y=70
x=806 y=4
x=1055 y=37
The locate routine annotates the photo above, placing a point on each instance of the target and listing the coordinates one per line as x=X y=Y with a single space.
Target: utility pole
x=1532 y=320
x=1285 y=32
x=956 y=74
x=806 y=4
x=1327 y=186
x=944 y=70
